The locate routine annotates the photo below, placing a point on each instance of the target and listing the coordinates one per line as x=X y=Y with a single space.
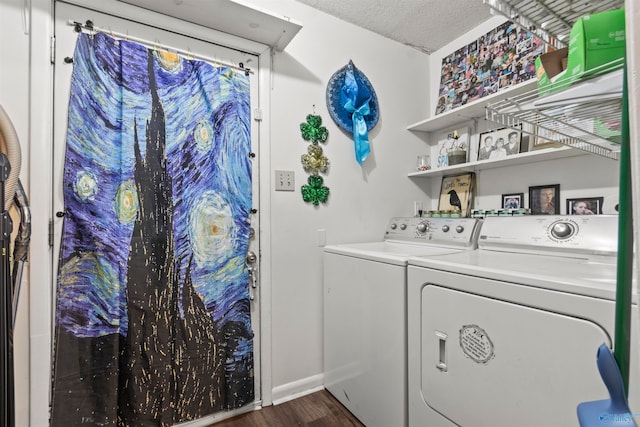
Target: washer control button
x=422 y=228
x=562 y=230
x=393 y=226
x=403 y=226
x=445 y=228
x=459 y=229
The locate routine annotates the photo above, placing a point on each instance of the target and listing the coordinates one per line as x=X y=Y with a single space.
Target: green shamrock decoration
x=315 y=192
x=313 y=130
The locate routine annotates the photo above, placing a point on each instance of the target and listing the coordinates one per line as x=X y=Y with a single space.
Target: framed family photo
x=513 y=201
x=585 y=206
x=545 y=199
x=499 y=143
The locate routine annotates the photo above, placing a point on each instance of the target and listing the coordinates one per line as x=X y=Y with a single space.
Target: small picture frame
x=456 y=193
x=585 y=206
x=513 y=201
x=451 y=141
x=497 y=144
x=554 y=131
x=541 y=141
x=544 y=199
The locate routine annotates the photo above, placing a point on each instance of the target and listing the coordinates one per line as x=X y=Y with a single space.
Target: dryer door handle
x=441 y=351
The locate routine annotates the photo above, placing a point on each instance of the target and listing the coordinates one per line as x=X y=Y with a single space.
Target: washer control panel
x=579 y=234
x=434 y=231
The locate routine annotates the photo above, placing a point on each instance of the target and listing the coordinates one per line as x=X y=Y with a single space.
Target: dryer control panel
x=568 y=234
x=458 y=232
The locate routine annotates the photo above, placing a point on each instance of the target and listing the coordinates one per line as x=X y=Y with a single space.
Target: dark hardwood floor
x=319 y=409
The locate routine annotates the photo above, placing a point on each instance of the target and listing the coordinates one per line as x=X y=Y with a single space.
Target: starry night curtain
x=152 y=305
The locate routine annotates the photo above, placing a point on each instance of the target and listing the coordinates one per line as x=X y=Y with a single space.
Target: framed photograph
x=450 y=141
x=543 y=139
x=513 y=201
x=499 y=143
x=456 y=193
x=559 y=126
x=585 y=206
x=544 y=199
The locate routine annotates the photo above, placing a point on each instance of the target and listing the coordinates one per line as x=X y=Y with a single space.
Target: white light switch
x=285 y=181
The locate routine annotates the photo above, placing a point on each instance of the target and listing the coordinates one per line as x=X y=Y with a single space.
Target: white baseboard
x=293 y=390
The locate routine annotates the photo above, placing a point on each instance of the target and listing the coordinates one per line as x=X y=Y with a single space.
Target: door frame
x=41 y=128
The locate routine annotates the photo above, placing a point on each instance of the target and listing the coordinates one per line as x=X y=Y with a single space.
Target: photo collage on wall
x=503 y=57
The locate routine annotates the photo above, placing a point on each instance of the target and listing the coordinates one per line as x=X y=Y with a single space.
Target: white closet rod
x=92 y=29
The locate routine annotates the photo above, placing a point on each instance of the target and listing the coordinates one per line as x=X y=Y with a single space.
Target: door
x=66 y=39
x=488 y=362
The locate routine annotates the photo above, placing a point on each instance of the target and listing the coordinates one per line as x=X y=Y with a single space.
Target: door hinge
x=50 y=233
x=257 y=115
x=53 y=50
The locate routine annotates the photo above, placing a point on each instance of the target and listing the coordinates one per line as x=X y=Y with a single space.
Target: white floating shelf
x=229 y=16
x=513 y=160
x=473 y=110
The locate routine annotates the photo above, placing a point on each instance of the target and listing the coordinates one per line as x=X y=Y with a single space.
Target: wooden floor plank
x=319 y=409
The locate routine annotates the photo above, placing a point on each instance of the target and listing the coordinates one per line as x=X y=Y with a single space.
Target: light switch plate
x=285 y=181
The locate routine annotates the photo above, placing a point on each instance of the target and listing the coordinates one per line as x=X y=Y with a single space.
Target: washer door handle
x=441 y=351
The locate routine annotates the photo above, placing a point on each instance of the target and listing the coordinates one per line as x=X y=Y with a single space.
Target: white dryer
x=365 y=294
x=507 y=335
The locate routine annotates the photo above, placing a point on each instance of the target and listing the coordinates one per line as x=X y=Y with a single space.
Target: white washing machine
x=507 y=335
x=365 y=335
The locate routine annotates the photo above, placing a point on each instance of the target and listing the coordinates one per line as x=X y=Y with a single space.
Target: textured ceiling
x=426 y=25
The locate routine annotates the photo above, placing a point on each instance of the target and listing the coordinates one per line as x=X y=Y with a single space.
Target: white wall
x=362 y=199
x=14 y=99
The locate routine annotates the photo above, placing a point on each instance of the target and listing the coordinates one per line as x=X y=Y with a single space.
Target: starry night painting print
x=153 y=323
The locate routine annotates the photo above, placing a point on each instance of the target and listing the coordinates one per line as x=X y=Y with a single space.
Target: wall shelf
x=582 y=115
x=513 y=160
x=229 y=16
x=585 y=115
x=473 y=110
x=550 y=21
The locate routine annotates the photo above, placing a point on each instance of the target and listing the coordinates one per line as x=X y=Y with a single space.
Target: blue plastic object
x=608 y=412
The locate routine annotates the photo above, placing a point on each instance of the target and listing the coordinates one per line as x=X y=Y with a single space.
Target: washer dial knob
x=403 y=226
x=394 y=226
x=445 y=228
x=459 y=229
x=422 y=228
x=562 y=230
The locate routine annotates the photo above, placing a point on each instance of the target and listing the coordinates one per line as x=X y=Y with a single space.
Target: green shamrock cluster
x=315 y=192
x=312 y=130
x=314 y=162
